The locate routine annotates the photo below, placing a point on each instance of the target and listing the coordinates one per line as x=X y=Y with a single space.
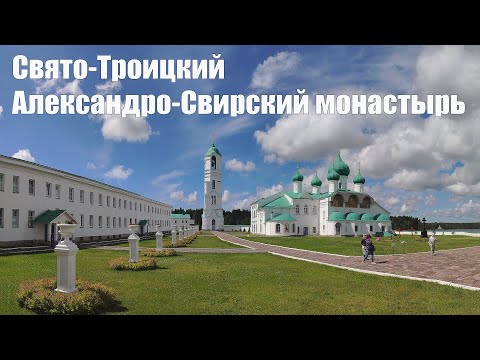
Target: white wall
x=40 y=203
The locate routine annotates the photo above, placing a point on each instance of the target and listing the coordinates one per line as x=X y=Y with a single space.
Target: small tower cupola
x=342 y=170
x=316 y=184
x=332 y=178
x=359 y=181
x=297 y=182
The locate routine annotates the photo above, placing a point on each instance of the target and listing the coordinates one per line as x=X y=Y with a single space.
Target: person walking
x=364 y=247
x=431 y=241
x=370 y=248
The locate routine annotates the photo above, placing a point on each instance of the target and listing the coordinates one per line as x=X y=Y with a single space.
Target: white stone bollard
x=159 y=237
x=174 y=237
x=66 y=260
x=133 y=241
x=180 y=234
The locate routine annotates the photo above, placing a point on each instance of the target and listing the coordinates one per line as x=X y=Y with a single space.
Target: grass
x=351 y=245
x=242 y=284
x=200 y=242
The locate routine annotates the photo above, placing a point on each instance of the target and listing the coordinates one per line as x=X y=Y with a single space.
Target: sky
x=413 y=165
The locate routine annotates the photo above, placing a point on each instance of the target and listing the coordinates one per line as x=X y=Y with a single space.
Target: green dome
x=212 y=150
x=359 y=179
x=340 y=167
x=316 y=181
x=382 y=217
x=297 y=176
x=352 y=216
x=333 y=175
x=336 y=215
x=366 y=216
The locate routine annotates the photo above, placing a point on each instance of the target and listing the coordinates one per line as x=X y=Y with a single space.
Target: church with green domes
x=334 y=209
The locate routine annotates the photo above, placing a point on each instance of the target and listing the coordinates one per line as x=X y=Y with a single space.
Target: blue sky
x=413 y=165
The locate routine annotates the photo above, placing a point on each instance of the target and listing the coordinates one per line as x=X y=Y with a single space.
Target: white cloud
x=1 y=110
x=108 y=87
x=243 y=200
x=71 y=88
x=92 y=166
x=226 y=196
x=274 y=68
x=24 y=154
x=162 y=179
x=129 y=128
x=237 y=165
x=180 y=196
x=119 y=172
x=392 y=200
x=43 y=86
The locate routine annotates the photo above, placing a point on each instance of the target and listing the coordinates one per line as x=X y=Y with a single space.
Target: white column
x=180 y=234
x=174 y=236
x=159 y=237
x=133 y=241
x=66 y=260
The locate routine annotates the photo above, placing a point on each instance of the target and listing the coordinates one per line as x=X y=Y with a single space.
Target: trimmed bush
x=124 y=264
x=40 y=297
x=161 y=253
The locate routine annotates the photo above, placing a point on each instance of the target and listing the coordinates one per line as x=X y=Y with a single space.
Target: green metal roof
x=48 y=216
x=336 y=215
x=142 y=222
x=281 y=202
x=282 y=217
x=321 y=195
x=340 y=167
x=359 y=179
x=333 y=175
x=382 y=217
x=352 y=216
x=295 y=195
x=180 y=216
x=212 y=150
x=316 y=181
x=297 y=176
x=367 y=216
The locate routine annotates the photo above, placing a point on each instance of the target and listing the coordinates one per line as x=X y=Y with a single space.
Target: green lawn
x=200 y=242
x=351 y=245
x=242 y=284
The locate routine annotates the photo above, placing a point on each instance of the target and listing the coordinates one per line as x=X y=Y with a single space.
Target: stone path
x=456 y=267
x=191 y=250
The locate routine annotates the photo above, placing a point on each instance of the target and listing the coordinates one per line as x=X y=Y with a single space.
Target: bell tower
x=212 y=217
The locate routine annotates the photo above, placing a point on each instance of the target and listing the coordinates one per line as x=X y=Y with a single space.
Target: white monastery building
x=34 y=198
x=181 y=220
x=336 y=210
x=212 y=217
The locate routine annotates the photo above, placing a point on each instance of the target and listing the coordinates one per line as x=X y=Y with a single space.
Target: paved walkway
x=191 y=250
x=456 y=267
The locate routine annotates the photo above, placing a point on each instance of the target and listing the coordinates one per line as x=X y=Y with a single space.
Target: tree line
x=233 y=217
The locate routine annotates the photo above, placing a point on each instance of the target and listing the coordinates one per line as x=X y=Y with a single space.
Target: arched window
x=337 y=200
x=314 y=210
x=352 y=201
x=286 y=228
x=366 y=202
x=339 y=185
x=213 y=184
x=305 y=209
x=213 y=224
x=214 y=199
x=277 y=228
x=293 y=228
x=214 y=162
x=297 y=209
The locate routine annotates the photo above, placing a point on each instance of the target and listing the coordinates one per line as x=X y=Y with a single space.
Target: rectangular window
x=323 y=227
x=148 y=208
x=70 y=194
x=31 y=216
x=48 y=189
x=81 y=221
x=91 y=197
x=82 y=196
x=314 y=230
x=15 y=218
x=100 y=200
x=125 y=204
x=135 y=206
x=356 y=227
x=31 y=187
x=2 y=182
x=114 y=222
x=91 y=221
x=119 y=203
x=100 y=221
x=371 y=227
x=108 y=221
x=16 y=181
x=108 y=201
x=213 y=184
x=124 y=222
x=114 y=202
x=1 y=218
x=57 y=191
x=119 y=222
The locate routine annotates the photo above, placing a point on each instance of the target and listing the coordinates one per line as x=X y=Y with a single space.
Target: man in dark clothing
x=370 y=248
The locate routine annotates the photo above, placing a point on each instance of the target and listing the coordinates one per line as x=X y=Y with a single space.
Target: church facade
x=335 y=211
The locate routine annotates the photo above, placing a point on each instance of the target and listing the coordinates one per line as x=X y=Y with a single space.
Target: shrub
x=40 y=297
x=161 y=253
x=124 y=264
